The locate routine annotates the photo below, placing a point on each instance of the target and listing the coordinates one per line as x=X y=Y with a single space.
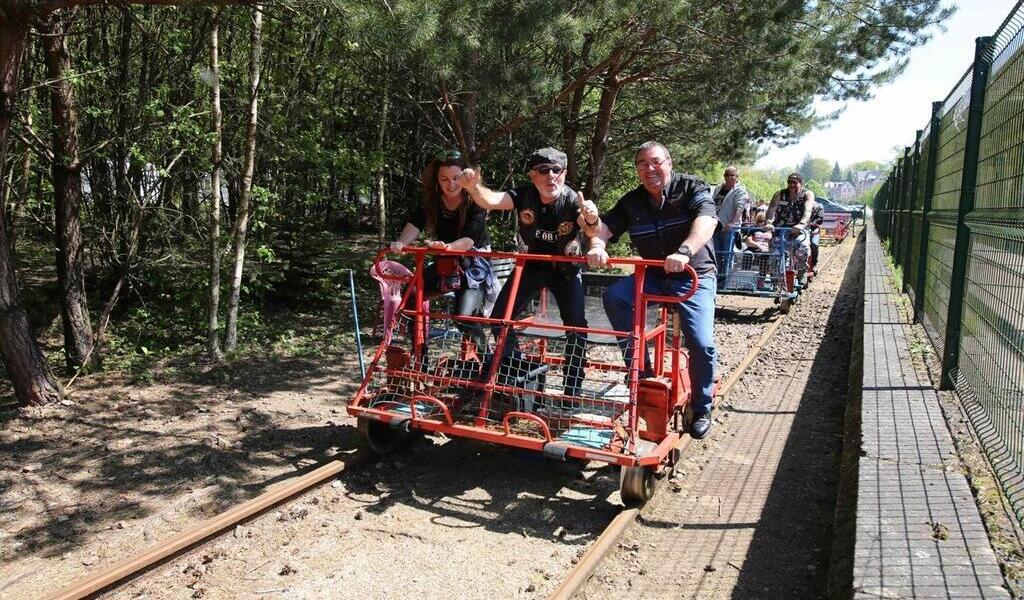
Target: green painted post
x=929 y=191
x=951 y=350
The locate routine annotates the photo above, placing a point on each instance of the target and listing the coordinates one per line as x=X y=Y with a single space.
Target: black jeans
x=467 y=304
x=567 y=287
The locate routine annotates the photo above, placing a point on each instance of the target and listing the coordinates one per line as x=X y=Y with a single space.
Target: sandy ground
x=125 y=466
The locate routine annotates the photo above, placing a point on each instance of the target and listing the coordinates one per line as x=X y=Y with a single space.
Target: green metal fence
x=952 y=213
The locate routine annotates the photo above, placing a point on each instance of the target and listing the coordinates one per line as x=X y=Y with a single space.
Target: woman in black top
x=452 y=221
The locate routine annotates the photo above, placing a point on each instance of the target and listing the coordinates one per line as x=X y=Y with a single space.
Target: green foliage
x=709 y=79
x=818 y=169
x=817 y=188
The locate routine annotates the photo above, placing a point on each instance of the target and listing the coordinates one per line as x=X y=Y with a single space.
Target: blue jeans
x=696 y=317
x=725 y=249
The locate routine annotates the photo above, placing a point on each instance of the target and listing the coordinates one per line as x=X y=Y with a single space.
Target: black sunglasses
x=448 y=155
x=546 y=169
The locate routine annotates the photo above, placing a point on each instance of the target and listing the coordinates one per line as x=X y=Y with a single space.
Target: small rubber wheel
x=636 y=484
x=381 y=437
x=784 y=305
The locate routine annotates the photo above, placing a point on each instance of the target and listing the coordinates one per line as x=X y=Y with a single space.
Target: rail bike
x=430 y=375
x=834 y=228
x=780 y=272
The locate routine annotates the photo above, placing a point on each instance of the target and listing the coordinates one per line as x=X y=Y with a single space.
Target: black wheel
x=381 y=437
x=784 y=305
x=636 y=484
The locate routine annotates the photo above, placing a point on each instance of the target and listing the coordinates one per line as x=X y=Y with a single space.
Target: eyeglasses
x=547 y=169
x=643 y=165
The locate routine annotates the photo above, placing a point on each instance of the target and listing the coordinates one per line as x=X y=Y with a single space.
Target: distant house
x=840 y=191
x=863 y=180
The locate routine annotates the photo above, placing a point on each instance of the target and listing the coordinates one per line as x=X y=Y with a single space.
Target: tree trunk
x=571 y=114
x=382 y=206
x=213 y=307
x=67 y=198
x=242 y=225
x=599 y=144
x=30 y=374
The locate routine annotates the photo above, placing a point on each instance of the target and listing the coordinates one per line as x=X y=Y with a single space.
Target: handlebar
x=634 y=261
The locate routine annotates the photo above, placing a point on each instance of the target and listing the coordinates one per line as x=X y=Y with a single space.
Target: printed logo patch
x=526 y=217
x=565 y=228
x=546 y=236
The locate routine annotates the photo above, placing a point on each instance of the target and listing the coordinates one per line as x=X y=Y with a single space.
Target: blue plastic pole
x=355 y=319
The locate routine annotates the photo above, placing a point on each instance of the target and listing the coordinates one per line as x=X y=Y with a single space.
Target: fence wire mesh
x=987 y=368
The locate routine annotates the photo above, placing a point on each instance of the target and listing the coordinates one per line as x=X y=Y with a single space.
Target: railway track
x=606 y=542
x=128 y=568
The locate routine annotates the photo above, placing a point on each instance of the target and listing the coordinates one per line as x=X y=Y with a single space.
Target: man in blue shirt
x=671 y=217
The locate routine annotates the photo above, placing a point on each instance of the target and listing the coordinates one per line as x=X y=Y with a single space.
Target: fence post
x=912 y=198
x=979 y=79
x=929 y=190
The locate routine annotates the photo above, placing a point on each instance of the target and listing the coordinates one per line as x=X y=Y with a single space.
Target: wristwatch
x=685 y=251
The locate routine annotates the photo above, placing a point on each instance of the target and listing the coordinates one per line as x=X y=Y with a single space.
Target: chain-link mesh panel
x=990 y=378
x=917 y=217
x=952 y=139
x=939 y=270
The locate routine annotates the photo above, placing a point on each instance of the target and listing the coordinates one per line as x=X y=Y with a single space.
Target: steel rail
x=605 y=543
x=213 y=526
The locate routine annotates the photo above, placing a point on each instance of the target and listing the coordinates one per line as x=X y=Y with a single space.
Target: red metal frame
x=653 y=403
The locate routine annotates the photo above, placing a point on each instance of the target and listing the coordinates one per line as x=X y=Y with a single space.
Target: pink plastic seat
x=390 y=294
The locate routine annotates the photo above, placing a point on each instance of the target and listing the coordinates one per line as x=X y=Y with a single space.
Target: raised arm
x=409 y=234
x=808 y=207
x=484 y=197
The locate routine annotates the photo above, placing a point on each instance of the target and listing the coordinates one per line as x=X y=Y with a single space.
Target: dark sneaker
x=700 y=426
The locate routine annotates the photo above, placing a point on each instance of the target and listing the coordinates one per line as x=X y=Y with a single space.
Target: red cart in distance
x=431 y=377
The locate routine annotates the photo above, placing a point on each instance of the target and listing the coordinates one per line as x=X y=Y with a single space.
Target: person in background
x=731 y=202
x=791 y=207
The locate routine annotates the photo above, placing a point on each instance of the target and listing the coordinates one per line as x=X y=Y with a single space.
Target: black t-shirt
x=658 y=232
x=720 y=197
x=447 y=225
x=546 y=228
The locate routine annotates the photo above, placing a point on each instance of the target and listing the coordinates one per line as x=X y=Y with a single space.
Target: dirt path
x=750 y=515
x=86 y=485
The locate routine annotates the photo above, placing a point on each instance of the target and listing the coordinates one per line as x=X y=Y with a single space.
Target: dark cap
x=547 y=156
x=795 y=176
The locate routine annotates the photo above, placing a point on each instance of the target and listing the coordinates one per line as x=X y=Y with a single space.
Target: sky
x=870 y=130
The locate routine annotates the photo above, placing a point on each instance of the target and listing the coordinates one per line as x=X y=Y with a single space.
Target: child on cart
x=756 y=246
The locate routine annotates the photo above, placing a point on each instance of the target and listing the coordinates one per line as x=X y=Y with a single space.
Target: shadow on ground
x=789 y=554
x=125 y=452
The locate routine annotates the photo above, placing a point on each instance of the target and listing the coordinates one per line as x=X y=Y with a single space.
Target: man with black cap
x=551 y=216
x=792 y=207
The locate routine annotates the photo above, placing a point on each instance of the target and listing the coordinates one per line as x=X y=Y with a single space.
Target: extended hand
x=675 y=263
x=597 y=257
x=588 y=210
x=470 y=179
x=436 y=245
x=396 y=247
